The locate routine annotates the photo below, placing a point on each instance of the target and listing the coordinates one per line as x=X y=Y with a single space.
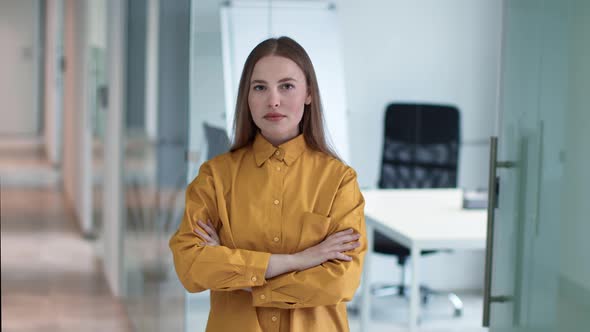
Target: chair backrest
x=420 y=147
x=217 y=141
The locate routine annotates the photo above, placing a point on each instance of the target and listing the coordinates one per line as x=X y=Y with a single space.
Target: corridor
x=51 y=277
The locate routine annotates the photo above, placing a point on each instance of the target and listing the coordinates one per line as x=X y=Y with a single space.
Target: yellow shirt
x=267 y=200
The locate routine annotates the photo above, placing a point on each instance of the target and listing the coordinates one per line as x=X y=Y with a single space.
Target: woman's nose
x=274 y=99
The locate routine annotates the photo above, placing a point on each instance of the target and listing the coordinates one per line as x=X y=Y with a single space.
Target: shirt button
x=262 y=296
x=276 y=202
x=254 y=278
x=276 y=239
x=277 y=153
x=279 y=169
x=274 y=318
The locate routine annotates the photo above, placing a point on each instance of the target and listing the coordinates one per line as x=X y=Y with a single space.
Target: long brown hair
x=312 y=123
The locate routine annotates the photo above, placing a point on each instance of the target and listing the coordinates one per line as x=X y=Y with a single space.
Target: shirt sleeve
x=200 y=267
x=333 y=281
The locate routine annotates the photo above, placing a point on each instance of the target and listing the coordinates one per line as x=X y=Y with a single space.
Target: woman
x=275 y=227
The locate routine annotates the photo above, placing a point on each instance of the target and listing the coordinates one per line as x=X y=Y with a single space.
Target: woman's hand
x=333 y=247
x=210 y=236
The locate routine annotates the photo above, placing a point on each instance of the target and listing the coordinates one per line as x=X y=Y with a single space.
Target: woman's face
x=277 y=96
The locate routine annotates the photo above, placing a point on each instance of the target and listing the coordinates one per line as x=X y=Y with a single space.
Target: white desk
x=420 y=219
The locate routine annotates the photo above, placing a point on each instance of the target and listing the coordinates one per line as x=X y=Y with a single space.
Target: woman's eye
x=288 y=86
x=258 y=88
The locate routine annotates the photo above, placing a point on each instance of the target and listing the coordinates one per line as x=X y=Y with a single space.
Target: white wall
x=19 y=29
x=423 y=51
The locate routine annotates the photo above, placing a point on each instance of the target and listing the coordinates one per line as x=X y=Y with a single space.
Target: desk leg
x=415 y=288
x=366 y=282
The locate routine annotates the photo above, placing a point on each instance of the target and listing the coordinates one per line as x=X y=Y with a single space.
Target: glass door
x=208 y=115
x=536 y=276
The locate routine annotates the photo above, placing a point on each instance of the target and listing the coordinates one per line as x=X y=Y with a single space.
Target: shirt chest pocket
x=313 y=230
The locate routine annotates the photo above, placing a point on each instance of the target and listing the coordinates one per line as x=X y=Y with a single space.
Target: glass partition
x=208 y=133
x=154 y=160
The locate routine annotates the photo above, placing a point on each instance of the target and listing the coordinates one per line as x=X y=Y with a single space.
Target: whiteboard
x=314 y=25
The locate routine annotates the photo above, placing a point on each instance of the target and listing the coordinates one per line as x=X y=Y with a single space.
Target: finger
x=206 y=228
x=212 y=238
x=203 y=236
x=343 y=257
x=345 y=247
x=343 y=233
x=348 y=246
x=200 y=234
x=350 y=238
x=214 y=235
x=212 y=231
x=342 y=236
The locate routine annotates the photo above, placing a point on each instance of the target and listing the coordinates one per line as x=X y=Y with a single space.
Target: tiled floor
x=51 y=279
x=23 y=164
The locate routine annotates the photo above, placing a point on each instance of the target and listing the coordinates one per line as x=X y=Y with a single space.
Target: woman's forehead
x=274 y=68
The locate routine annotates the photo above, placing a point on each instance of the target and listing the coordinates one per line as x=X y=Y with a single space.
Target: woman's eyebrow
x=282 y=80
x=286 y=79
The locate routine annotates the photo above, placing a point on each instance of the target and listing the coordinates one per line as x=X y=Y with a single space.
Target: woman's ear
x=308 y=99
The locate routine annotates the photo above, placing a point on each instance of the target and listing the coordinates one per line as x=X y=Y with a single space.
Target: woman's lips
x=274 y=117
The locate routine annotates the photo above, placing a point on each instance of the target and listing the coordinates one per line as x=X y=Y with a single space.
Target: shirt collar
x=287 y=152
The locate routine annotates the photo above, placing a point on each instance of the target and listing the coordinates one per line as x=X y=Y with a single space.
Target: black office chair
x=420 y=150
x=216 y=139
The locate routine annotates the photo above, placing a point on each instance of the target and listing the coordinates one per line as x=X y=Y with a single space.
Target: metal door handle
x=492 y=203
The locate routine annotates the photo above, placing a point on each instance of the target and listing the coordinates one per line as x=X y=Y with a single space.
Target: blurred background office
x=109 y=107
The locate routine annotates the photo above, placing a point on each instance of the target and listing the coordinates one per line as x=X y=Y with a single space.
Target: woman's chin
x=277 y=135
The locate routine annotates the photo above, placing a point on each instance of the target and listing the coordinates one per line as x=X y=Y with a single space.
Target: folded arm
x=333 y=281
x=200 y=266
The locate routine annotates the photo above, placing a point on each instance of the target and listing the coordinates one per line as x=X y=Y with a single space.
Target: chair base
x=425 y=292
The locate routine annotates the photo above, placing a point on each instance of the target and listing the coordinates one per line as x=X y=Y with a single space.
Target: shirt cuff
x=261 y=296
x=257 y=267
